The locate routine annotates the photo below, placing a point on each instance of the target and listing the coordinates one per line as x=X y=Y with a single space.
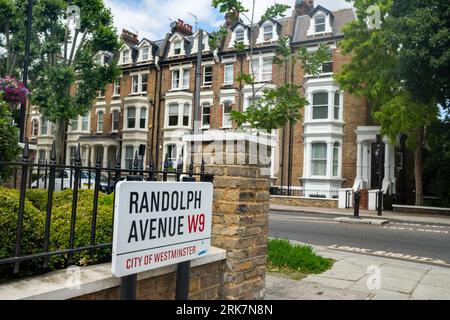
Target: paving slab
x=424 y=292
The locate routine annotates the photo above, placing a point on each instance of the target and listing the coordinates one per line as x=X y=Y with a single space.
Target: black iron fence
x=53 y=177
x=307 y=193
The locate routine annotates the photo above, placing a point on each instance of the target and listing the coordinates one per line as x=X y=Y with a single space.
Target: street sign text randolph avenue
x=157 y=224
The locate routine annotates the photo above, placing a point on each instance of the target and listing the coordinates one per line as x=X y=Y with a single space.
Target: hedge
x=34 y=224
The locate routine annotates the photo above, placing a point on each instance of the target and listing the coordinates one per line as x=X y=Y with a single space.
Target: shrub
x=282 y=254
x=33 y=230
x=34 y=225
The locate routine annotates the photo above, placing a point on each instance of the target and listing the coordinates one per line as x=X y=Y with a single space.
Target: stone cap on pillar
x=230 y=148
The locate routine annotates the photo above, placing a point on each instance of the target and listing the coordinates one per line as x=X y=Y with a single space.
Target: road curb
x=375 y=222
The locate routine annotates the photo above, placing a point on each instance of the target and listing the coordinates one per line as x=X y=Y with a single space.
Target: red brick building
x=150 y=108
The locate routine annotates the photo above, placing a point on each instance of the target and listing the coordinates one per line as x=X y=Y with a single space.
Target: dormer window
x=145 y=52
x=177 y=47
x=240 y=36
x=320 y=23
x=268 y=32
x=126 y=56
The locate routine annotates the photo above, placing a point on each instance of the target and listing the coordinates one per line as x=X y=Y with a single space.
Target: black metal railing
x=53 y=177
x=304 y=193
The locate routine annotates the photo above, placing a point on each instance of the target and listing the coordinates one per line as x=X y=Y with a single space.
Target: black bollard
x=357 y=204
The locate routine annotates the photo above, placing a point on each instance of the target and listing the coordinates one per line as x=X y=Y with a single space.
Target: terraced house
x=151 y=107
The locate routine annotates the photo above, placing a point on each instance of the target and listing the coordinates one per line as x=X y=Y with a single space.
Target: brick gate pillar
x=241 y=208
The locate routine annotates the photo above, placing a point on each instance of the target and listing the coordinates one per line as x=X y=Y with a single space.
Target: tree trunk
x=418 y=167
x=60 y=132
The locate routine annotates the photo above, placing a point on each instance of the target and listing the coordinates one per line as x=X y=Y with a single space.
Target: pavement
x=357 y=276
x=389 y=215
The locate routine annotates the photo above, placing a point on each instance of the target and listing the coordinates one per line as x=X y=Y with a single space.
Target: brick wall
x=206 y=284
x=305 y=202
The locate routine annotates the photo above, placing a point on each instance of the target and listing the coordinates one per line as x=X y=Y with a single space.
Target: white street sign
x=157 y=224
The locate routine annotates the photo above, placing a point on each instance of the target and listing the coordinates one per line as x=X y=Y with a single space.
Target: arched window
x=319 y=159
x=320 y=106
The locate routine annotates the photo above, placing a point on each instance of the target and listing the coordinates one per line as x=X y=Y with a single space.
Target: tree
x=278 y=106
x=62 y=54
x=377 y=72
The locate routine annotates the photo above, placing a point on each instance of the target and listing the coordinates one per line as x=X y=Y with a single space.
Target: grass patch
x=295 y=261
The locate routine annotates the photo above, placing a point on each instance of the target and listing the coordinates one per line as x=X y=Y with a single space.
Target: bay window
x=35 y=126
x=319 y=159
x=173 y=115
x=336 y=151
x=186 y=114
x=143 y=119
x=320 y=106
x=131 y=117
x=337 y=106
x=44 y=126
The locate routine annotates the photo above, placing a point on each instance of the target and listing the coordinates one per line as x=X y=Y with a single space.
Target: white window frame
x=35 y=127
x=227 y=123
x=128 y=118
x=313 y=106
x=116 y=88
x=134 y=83
x=322 y=24
x=85 y=120
x=233 y=41
x=313 y=160
x=115 y=111
x=143 y=118
x=100 y=124
x=183 y=81
x=206 y=105
x=257 y=67
x=211 y=74
x=45 y=123
x=336 y=160
x=228 y=66
x=128 y=158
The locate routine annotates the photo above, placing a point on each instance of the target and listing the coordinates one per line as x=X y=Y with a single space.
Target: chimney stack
x=230 y=18
x=303 y=7
x=181 y=27
x=128 y=36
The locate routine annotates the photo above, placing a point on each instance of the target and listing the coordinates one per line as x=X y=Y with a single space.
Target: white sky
x=151 y=17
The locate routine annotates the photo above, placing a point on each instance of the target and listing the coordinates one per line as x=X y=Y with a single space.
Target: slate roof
x=339 y=19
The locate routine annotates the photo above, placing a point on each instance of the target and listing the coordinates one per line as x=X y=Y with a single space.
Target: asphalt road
x=424 y=240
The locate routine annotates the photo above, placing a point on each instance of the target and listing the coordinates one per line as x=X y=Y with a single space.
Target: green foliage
x=312 y=61
x=275 y=11
x=9 y=139
x=35 y=211
x=229 y=6
x=437 y=163
x=244 y=77
x=217 y=37
x=281 y=254
x=276 y=108
x=33 y=229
